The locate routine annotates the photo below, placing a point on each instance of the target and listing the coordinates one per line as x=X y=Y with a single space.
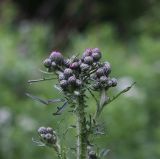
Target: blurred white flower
x=26 y=123
x=134 y=92
x=5 y=115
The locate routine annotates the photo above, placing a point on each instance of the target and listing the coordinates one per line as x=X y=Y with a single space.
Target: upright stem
x=81 y=129
x=57 y=148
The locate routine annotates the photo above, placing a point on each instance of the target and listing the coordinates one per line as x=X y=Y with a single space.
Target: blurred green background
x=128 y=34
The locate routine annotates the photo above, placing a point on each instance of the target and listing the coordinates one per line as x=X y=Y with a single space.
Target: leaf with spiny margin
x=60 y=109
x=37 y=142
x=46 y=102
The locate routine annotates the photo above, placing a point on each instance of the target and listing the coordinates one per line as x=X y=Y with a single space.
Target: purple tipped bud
x=96 y=50
x=68 y=72
x=100 y=72
x=47 y=63
x=50 y=130
x=78 y=83
x=56 y=57
x=61 y=76
x=107 y=68
x=72 y=80
x=96 y=56
x=64 y=84
x=114 y=82
x=74 y=65
x=88 y=52
x=103 y=79
x=84 y=67
x=42 y=130
x=88 y=60
x=109 y=83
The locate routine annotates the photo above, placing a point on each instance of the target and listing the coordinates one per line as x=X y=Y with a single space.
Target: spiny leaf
x=37 y=142
x=46 y=102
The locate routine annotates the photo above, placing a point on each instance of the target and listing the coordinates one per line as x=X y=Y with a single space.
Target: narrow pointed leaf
x=37 y=99
x=37 y=142
x=60 y=109
x=46 y=102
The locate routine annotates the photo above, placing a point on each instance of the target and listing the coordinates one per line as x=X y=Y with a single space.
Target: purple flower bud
x=42 y=130
x=63 y=84
x=72 y=80
x=74 y=65
x=87 y=52
x=95 y=50
x=68 y=72
x=78 y=83
x=109 y=83
x=107 y=68
x=61 y=76
x=100 y=72
x=96 y=56
x=84 y=67
x=48 y=136
x=56 y=57
x=88 y=60
x=103 y=79
x=114 y=82
x=49 y=130
x=47 y=63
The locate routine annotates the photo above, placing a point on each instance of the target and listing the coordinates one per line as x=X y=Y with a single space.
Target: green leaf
x=46 y=102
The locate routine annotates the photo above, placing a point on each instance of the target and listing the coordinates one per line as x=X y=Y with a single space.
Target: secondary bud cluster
x=74 y=72
x=47 y=135
x=101 y=77
x=53 y=61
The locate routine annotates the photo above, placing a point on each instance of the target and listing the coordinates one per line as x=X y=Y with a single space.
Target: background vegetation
x=128 y=34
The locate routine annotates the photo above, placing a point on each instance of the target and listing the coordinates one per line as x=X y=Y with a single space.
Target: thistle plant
x=76 y=77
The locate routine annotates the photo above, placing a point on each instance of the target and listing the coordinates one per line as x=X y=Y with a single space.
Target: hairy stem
x=57 y=148
x=81 y=129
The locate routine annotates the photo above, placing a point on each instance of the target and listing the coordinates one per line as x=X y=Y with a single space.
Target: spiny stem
x=81 y=129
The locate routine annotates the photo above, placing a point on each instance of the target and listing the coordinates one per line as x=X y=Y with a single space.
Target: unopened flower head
x=56 y=57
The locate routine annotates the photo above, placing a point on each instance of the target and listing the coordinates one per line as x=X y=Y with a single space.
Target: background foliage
x=127 y=33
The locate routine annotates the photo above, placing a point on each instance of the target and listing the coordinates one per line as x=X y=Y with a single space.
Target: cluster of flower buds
x=54 y=61
x=90 y=58
x=73 y=72
x=47 y=135
x=101 y=77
